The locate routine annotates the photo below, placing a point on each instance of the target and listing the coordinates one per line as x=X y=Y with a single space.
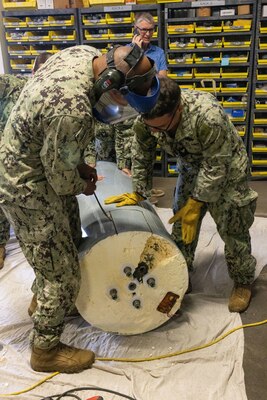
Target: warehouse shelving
x=31 y=32
x=213 y=53
x=258 y=143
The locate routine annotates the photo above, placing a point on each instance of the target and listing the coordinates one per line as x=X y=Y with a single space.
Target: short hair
x=169 y=98
x=144 y=16
x=40 y=60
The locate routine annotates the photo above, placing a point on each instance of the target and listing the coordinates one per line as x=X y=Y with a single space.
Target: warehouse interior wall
x=3 y=50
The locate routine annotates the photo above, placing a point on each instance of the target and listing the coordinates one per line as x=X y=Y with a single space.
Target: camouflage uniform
x=10 y=89
x=212 y=168
x=123 y=143
x=43 y=143
x=102 y=146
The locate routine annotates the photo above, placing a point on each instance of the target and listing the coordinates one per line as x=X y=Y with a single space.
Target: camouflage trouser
x=4 y=229
x=49 y=238
x=233 y=223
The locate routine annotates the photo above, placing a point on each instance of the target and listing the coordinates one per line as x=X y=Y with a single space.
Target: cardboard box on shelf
x=61 y=4
x=243 y=9
x=76 y=3
x=204 y=12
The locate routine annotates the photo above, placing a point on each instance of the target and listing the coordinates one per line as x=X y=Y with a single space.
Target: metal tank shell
x=133 y=276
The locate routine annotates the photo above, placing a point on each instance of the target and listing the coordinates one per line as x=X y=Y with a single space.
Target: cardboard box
x=243 y=10
x=61 y=4
x=264 y=11
x=76 y=3
x=204 y=12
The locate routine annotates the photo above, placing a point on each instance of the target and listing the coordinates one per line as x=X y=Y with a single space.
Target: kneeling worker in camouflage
x=42 y=170
x=212 y=176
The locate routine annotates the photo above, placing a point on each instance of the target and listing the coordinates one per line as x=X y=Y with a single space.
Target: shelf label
x=207 y=3
x=117 y=8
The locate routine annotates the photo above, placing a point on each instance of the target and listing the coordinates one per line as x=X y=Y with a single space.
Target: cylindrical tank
x=133 y=275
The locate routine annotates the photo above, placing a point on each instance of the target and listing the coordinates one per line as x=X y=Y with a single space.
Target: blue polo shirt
x=157 y=54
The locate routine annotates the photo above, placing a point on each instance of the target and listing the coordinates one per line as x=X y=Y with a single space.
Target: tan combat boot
x=240 y=298
x=61 y=358
x=33 y=305
x=2 y=256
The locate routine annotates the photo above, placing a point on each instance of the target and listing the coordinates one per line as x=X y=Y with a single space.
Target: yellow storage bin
x=263 y=28
x=21 y=64
x=63 y=35
x=121 y=32
x=237 y=43
x=207 y=43
x=61 y=20
x=235 y=104
x=262 y=76
x=86 y=3
x=242 y=58
x=230 y=87
x=239 y=25
x=262 y=61
x=19 y=4
x=187 y=86
x=260 y=121
x=182 y=29
x=36 y=50
x=261 y=106
x=181 y=74
x=262 y=135
x=259 y=173
x=91 y=34
x=234 y=73
x=207 y=59
x=260 y=149
x=33 y=22
x=94 y=19
x=17 y=50
x=241 y=130
x=40 y=36
x=259 y=162
x=183 y=44
x=16 y=37
x=106 y=2
x=208 y=85
x=119 y=18
x=207 y=73
x=204 y=28
x=181 y=59
x=14 y=22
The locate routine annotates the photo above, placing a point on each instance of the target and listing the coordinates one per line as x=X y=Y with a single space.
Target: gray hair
x=144 y=16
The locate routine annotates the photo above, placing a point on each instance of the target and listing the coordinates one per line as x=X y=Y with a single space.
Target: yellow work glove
x=189 y=216
x=125 y=199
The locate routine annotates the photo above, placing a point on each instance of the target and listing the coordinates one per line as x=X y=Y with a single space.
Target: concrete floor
x=255 y=355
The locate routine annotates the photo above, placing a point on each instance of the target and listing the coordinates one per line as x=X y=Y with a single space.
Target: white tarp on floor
x=213 y=373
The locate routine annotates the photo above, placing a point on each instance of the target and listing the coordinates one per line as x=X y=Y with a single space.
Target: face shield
x=108 y=111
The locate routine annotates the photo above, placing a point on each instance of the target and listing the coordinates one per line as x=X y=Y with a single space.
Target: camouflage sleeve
x=143 y=156
x=65 y=140
x=124 y=134
x=90 y=152
x=215 y=136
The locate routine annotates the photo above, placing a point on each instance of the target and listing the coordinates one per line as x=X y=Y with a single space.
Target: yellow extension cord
x=134 y=360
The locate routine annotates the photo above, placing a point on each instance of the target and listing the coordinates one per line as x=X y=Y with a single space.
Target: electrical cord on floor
x=70 y=393
x=136 y=360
